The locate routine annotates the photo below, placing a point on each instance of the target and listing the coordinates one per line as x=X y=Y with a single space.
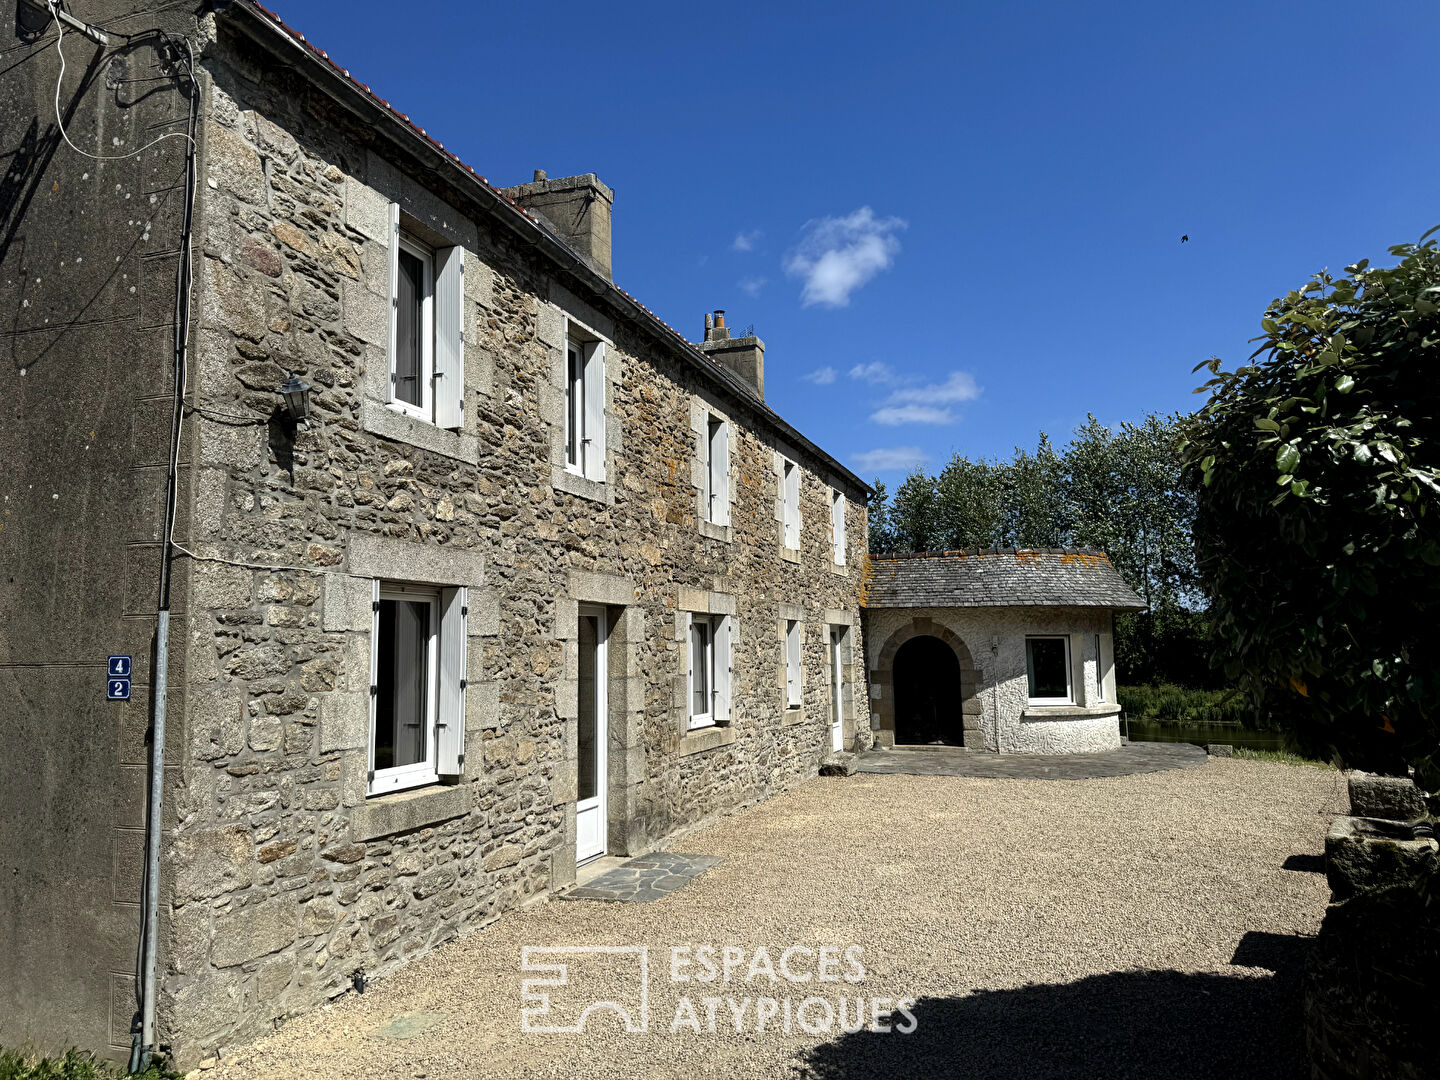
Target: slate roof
x=1004 y=577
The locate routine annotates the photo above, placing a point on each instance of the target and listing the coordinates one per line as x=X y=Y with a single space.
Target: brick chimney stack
x=745 y=356
x=577 y=209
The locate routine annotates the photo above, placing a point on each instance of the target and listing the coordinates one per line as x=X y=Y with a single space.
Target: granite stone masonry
x=297 y=849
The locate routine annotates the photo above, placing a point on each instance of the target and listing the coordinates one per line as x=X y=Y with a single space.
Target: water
x=1200 y=734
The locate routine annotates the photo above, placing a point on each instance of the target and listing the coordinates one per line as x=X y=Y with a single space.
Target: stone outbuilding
x=1001 y=650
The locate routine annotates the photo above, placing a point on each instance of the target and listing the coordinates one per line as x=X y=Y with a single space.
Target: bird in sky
x=1185 y=239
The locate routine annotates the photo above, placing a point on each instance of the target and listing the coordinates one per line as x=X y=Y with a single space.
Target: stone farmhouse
x=535 y=580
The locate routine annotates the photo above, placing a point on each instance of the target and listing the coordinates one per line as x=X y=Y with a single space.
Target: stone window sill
x=790 y=554
x=405 y=811
x=396 y=426
x=562 y=479
x=793 y=714
x=709 y=738
x=723 y=533
x=839 y=569
x=1068 y=712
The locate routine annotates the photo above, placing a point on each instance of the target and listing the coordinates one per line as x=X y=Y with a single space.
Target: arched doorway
x=927 y=694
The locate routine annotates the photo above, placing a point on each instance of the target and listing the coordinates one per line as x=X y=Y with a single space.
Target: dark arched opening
x=928 y=701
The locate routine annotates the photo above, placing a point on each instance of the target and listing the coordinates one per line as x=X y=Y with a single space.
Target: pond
x=1200 y=734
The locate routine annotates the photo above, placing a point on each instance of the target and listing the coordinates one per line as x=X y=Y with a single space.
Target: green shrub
x=1283 y=757
x=72 y=1065
x=1184 y=705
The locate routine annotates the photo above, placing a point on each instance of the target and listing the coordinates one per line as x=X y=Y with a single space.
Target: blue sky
x=953 y=225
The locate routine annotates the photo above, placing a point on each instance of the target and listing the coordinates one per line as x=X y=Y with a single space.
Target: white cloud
x=821 y=376
x=746 y=241
x=751 y=286
x=960 y=386
x=889 y=459
x=912 y=414
x=876 y=372
x=838 y=255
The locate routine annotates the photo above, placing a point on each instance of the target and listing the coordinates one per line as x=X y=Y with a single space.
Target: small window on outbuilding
x=1047 y=667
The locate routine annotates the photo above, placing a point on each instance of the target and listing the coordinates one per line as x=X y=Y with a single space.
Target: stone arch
x=882 y=679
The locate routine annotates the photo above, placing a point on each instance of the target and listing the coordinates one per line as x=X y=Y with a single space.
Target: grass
x=1282 y=757
x=72 y=1065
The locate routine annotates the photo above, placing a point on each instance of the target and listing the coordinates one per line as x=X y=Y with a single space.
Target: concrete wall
x=87 y=285
x=995 y=638
x=287 y=879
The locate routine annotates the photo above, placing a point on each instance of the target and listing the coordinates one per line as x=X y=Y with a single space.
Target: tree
x=1317 y=471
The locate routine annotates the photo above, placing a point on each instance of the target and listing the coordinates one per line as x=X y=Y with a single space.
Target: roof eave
x=420 y=148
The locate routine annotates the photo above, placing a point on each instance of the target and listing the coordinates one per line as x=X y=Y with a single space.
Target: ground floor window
x=708 y=674
x=1047 y=662
x=417 y=685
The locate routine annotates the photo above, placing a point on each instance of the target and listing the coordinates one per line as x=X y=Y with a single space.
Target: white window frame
x=717 y=470
x=585 y=409
x=1069 y=698
x=707 y=718
x=425 y=410
x=790 y=491
x=837 y=527
x=794 y=663
x=399 y=777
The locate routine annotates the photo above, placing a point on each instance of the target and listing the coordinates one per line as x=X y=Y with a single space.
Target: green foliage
x=1281 y=757
x=1316 y=464
x=1184 y=705
x=1119 y=490
x=72 y=1065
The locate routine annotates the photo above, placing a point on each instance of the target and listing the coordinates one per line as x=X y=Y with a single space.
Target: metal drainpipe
x=140 y=1056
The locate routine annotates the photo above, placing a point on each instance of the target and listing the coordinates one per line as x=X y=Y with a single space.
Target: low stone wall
x=1075 y=735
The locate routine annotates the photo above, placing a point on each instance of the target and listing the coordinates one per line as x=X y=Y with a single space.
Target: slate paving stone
x=1130 y=759
x=645 y=878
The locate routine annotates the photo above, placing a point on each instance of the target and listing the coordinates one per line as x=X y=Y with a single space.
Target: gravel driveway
x=1141 y=926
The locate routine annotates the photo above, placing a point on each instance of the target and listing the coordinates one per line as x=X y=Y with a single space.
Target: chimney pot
x=719 y=318
x=539 y=175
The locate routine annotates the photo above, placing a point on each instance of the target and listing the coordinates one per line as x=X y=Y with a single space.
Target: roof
x=410 y=138
x=999 y=577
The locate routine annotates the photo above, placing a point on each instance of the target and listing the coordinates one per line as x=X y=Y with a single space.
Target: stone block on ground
x=841 y=763
x=1394 y=798
x=1365 y=853
x=1220 y=749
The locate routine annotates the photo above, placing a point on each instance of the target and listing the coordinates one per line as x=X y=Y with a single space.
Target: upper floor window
x=584 y=405
x=427 y=328
x=790 y=485
x=837 y=527
x=1047 y=667
x=717 y=471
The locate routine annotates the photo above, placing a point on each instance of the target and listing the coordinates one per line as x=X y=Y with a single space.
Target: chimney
x=744 y=356
x=577 y=209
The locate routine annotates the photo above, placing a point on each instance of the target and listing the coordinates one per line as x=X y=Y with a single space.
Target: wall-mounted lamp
x=296 y=392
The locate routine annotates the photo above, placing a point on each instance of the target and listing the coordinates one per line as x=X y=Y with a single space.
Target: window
x=709 y=671
x=793 y=688
x=584 y=406
x=1047 y=662
x=717 y=471
x=427 y=332
x=790 y=484
x=837 y=527
x=1102 y=670
x=417 y=685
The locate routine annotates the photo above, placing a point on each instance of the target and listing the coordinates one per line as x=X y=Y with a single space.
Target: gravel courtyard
x=1139 y=926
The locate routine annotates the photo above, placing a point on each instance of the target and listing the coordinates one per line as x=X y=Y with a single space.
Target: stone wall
x=998 y=711
x=286 y=878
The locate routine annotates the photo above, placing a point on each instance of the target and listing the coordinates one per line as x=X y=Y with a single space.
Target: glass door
x=590 y=809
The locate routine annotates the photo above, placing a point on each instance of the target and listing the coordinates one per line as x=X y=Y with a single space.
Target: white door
x=837 y=719
x=590 y=811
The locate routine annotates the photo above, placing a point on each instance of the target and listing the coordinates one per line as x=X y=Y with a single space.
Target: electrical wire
x=60 y=123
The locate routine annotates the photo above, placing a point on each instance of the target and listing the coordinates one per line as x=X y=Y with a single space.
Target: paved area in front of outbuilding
x=1141 y=926
x=1131 y=758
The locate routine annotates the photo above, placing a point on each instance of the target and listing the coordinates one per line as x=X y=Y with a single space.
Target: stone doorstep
x=639 y=880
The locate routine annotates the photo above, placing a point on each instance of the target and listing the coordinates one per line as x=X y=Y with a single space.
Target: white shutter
x=374 y=675
x=450 y=726
x=837 y=527
x=595 y=410
x=792 y=663
x=792 y=505
x=720 y=475
x=723 y=631
x=450 y=337
x=394 y=302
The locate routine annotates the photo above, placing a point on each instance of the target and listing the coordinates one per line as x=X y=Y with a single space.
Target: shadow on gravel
x=1305 y=864
x=1145 y=1025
